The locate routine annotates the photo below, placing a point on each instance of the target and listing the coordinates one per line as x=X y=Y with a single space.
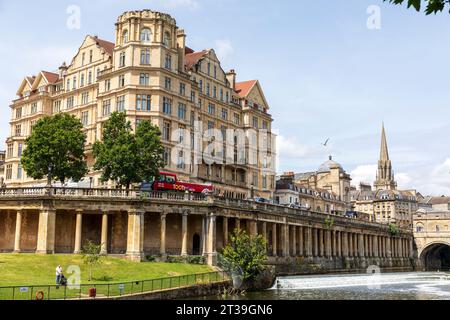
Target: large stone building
x=290 y=192
x=2 y=167
x=385 y=203
x=151 y=74
x=324 y=190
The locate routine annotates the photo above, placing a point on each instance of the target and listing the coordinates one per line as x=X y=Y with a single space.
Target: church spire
x=384 y=153
x=385 y=174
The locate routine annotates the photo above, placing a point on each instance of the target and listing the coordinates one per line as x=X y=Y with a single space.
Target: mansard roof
x=439 y=200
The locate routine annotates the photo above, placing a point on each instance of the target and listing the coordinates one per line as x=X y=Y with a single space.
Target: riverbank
x=32 y=269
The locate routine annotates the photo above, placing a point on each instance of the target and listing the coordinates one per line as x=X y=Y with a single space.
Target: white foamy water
x=425 y=281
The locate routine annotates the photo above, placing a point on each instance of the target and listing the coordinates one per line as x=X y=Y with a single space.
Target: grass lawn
x=113 y=277
x=30 y=269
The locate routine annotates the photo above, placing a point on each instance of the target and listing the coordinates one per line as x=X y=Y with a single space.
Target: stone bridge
x=432 y=239
x=138 y=225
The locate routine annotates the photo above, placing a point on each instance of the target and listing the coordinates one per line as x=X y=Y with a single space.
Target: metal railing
x=109 y=290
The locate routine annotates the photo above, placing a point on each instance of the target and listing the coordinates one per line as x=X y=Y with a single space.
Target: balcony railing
x=211 y=199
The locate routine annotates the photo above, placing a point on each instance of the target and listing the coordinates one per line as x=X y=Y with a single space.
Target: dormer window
x=166 y=39
x=146 y=35
x=125 y=36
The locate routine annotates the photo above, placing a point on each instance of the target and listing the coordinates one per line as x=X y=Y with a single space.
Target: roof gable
x=26 y=85
x=44 y=78
x=252 y=91
x=106 y=47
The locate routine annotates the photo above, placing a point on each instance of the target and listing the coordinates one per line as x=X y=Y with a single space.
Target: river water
x=388 y=286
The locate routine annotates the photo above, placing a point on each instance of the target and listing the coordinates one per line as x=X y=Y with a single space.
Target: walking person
x=58 y=274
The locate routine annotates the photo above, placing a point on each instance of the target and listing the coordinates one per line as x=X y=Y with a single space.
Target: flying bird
x=326 y=142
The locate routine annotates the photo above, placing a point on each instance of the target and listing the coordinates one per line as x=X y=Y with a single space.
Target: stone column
x=274 y=240
x=264 y=232
x=78 y=229
x=411 y=248
x=333 y=244
x=361 y=245
x=350 y=244
x=389 y=248
x=162 y=248
x=212 y=253
x=309 y=242
x=225 y=231
x=184 y=233
x=301 y=242
x=315 y=237
x=46 y=232
x=321 y=243
x=204 y=235
x=104 y=237
x=402 y=242
x=355 y=244
x=253 y=227
x=381 y=246
x=328 y=243
x=238 y=224
x=18 y=233
x=344 y=244
x=286 y=240
x=135 y=235
x=375 y=239
x=294 y=241
x=339 y=244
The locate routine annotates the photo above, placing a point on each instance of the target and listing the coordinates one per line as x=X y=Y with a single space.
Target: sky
x=329 y=70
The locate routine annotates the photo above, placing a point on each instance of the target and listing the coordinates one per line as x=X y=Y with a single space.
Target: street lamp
x=49 y=175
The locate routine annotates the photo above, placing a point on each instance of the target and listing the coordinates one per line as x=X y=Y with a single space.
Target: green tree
x=91 y=255
x=246 y=253
x=392 y=229
x=432 y=6
x=125 y=157
x=56 y=149
x=150 y=150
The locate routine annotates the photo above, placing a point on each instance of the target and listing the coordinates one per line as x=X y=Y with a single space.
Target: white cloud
x=364 y=173
x=403 y=180
x=223 y=48
x=292 y=148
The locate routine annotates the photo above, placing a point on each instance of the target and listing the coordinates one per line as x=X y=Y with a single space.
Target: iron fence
x=108 y=290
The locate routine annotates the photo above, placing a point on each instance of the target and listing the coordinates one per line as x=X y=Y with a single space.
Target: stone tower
x=385 y=175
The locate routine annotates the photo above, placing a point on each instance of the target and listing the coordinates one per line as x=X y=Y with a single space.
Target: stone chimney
x=63 y=70
x=181 y=45
x=231 y=77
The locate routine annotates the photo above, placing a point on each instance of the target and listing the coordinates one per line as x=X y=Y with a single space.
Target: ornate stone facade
x=385 y=203
x=151 y=74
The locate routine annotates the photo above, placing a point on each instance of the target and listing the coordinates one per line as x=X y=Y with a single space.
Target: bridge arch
x=436 y=256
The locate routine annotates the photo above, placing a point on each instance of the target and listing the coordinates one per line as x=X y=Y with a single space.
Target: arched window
x=166 y=39
x=146 y=35
x=125 y=36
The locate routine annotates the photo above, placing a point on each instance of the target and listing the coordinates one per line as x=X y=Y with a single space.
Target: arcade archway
x=436 y=257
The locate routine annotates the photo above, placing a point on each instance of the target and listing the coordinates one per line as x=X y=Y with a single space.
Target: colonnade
x=283 y=239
